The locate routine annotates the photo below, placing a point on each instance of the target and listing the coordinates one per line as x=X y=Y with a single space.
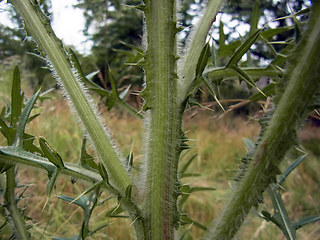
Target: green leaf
x=24 y=119
x=50 y=153
x=52 y=183
x=4 y=167
x=8 y=132
x=86 y=160
x=187 y=164
x=289 y=169
x=212 y=91
x=201 y=189
x=129 y=192
x=269 y=90
x=16 y=98
x=203 y=59
x=305 y=221
x=81 y=202
x=103 y=172
x=114 y=91
x=185 y=219
x=255 y=17
x=244 y=48
x=280 y=217
x=94 y=187
x=268 y=34
x=244 y=76
x=222 y=36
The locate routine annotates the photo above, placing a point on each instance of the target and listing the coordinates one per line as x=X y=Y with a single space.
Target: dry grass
x=219 y=146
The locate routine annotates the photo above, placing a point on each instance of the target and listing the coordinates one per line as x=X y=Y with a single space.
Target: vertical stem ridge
x=161 y=80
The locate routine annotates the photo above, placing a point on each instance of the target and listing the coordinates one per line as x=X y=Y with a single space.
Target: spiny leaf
x=212 y=91
x=50 y=153
x=305 y=221
x=129 y=159
x=185 y=219
x=222 y=36
x=280 y=217
x=4 y=167
x=129 y=192
x=268 y=34
x=103 y=172
x=244 y=76
x=133 y=47
x=116 y=210
x=8 y=132
x=255 y=17
x=51 y=184
x=16 y=99
x=81 y=202
x=86 y=160
x=187 y=164
x=24 y=119
x=289 y=169
x=203 y=59
x=269 y=90
x=95 y=186
x=243 y=48
x=201 y=189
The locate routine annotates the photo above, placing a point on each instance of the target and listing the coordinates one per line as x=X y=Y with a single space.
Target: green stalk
x=38 y=26
x=164 y=121
x=304 y=75
x=187 y=72
x=17 y=219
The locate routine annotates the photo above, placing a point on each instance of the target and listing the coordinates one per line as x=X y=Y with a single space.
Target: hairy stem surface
x=163 y=139
x=304 y=82
x=38 y=26
x=16 y=218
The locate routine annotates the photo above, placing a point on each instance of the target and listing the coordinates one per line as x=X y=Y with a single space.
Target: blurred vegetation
x=117 y=31
x=219 y=147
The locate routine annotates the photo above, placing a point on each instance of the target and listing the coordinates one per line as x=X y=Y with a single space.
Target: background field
x=219 y=145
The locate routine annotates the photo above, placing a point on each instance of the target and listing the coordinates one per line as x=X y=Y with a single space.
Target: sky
x=67 y=22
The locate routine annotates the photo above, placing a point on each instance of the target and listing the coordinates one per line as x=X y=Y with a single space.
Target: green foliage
x=155 y=206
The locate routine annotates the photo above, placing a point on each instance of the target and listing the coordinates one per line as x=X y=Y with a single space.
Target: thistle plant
x=172 y=76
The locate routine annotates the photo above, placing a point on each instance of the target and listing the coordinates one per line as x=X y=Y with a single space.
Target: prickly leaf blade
x=280 y=217
x=86 y=160
x=236 y=57
x=81 y=202
x=305 y=221
x=24 y=119
x=16 y=98
x=52 y=182
x=50 y=153
x=203 y=59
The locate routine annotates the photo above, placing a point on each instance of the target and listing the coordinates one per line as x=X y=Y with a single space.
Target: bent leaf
x=50 y=153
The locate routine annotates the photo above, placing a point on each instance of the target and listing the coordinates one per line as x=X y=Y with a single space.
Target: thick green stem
x=38 y=26
x=304 y=75
x=16 y=218
x=165 y=124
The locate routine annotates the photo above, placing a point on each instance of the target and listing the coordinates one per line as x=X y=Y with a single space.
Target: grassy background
x=219 y=145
